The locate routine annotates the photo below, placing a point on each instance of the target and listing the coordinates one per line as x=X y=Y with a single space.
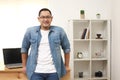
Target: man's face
x=45 y=19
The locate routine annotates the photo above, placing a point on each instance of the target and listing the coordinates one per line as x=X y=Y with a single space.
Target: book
x=87 y=33
x=84 y=33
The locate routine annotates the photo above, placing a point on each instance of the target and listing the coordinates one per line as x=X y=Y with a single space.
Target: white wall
x=115 y=40
x=15 y=17
x=70 y=9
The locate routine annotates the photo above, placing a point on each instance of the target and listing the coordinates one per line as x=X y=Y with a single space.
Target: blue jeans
x=44 y=76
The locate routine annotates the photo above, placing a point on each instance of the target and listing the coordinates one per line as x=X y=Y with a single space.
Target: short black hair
x=44 y=9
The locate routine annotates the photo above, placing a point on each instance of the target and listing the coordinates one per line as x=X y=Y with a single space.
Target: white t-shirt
x=45 y=61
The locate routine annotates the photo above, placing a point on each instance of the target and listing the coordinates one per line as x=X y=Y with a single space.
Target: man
x=44 y=62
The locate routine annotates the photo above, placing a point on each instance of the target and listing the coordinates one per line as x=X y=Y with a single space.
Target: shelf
x=99 y=78
x=99 y=59
x=99 y=20
x=94 y=49
x=78 y=20
x=94 y=78
x=84 y=78
x=89 y=40
x=83 y=59
x=81 y=39
x=99 y=40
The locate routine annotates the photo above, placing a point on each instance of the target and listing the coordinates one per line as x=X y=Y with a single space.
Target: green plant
x=82 y=12
x=98 y=14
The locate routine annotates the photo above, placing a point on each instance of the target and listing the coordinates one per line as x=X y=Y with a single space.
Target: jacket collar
x=38 y=28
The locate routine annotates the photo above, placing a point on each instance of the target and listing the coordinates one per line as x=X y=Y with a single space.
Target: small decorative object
x=82 y=14
x=98 y=54
x=80 y=74
x=79 y=55
x=98 y=74
x=98 y=36
x=98 y=15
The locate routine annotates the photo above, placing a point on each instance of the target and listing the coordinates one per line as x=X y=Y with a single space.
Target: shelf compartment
x=99 y=49
x=99 y=27
x=79 y=27
x=84 y=49
x=82 y=66
x=100 y=65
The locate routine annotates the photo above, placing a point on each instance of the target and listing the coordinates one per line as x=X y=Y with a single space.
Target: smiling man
x=44 y=61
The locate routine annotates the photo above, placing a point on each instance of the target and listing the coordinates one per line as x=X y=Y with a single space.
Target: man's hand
x=24 y=70
x=67 y=68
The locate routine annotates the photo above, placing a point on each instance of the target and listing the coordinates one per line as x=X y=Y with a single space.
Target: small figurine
x=79 y=55
x=98 y=36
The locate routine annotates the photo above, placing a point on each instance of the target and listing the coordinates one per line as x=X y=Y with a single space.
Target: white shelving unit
x=95 y=51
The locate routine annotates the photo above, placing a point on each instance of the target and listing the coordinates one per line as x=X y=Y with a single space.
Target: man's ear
x=38 y=18
x=52 y=17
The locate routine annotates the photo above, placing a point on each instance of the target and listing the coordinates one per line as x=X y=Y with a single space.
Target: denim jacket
x=57 y=40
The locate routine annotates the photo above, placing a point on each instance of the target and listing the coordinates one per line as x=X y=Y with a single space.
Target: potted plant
x=81 y=11
x=98 y=15
x=82 y=14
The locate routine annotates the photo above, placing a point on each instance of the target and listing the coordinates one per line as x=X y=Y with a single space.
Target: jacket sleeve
x=26 y=42
x=65 y=42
